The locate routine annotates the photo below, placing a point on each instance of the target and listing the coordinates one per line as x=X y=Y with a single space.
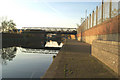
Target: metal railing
x=50 y=28
x=103 y=12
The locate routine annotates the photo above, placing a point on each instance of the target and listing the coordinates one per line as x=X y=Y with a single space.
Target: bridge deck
x=50 y=28
x=75 y=61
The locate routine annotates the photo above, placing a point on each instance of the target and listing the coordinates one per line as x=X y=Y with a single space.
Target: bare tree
x=7 y=25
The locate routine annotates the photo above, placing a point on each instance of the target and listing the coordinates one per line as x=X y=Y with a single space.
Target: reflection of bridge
x=40 y=51
x=53 y=30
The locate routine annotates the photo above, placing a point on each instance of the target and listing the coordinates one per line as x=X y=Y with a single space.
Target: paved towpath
x=75 y=61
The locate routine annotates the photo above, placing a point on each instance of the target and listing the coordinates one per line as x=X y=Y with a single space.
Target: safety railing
x=103 y=12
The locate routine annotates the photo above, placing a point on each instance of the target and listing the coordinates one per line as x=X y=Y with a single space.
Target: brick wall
x=108 y=30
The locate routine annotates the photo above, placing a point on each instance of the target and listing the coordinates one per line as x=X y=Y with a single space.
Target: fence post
x=102 y=12
x=96 y=14
x=110 y=8
x=90 y=21
x=92 y=18
x=87 y=23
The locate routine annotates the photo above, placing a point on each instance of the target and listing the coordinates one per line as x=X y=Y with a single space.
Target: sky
x=38 y=13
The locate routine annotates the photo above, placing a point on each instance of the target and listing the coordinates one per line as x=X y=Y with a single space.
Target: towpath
x=75 y=61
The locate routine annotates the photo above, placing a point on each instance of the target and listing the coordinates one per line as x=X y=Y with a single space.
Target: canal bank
x=75 y=61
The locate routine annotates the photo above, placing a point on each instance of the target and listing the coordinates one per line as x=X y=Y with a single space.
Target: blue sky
x=34 y=13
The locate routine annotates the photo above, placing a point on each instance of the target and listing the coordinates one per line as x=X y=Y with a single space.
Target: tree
x=78 y=25
x=7 y=25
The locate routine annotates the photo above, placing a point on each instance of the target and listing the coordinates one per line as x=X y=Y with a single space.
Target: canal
x=18 y=62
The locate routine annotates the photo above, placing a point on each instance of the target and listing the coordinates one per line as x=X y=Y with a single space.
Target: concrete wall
x=107 y=52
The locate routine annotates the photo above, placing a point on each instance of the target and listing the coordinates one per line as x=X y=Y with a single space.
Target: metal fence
x=103 y=12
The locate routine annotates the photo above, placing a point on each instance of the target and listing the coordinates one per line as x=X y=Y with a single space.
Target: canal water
x=18 y=62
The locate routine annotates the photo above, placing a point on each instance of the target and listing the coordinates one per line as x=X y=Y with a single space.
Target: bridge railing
x=50 y=29
x=107 y=10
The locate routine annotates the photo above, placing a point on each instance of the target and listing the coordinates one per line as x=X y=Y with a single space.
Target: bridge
x=54 y=30
x=41 y=35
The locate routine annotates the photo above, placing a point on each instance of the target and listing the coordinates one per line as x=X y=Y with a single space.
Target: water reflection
x=54 y=44
x=40 y=51
x=8 y=54
x=26 y=63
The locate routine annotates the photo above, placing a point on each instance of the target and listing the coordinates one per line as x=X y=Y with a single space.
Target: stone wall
x=108 y=53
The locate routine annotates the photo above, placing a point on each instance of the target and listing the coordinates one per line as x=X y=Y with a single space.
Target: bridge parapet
x=50 y=28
